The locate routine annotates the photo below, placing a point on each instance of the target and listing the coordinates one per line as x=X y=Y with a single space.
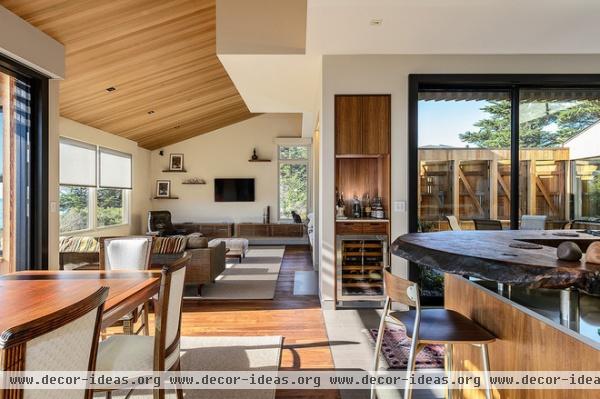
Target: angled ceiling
x=159 y=55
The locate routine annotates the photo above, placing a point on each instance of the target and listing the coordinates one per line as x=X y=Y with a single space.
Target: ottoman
x=236 y=247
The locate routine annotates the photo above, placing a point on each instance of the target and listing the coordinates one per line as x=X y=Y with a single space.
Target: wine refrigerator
x=360 y=263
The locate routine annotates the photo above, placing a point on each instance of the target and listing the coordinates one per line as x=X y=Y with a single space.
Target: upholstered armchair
x=159 y=223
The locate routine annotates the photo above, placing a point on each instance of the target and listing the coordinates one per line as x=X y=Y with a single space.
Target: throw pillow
x=78 y=244
x=169 y=245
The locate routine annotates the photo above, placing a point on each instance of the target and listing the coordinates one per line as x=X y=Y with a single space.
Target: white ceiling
x=453 y=27
x=272 y=80
x=275 y=83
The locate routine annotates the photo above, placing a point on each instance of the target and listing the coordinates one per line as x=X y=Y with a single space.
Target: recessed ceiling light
x=376 y=22
x=111 y=88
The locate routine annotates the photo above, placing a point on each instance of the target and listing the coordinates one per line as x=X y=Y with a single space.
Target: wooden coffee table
x=234 y=254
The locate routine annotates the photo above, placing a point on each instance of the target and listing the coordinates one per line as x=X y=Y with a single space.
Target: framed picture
x=176 y=162
x=163 y=188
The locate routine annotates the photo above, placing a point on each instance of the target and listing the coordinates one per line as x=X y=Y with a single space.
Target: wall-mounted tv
x=234 y=190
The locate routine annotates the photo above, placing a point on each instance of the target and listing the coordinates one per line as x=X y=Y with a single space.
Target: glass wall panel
x=465 y=140
x=435 y=193
x=464 y=157
x=553 y=124
x=15 y=125
x=585 y=182
x=464 y=164
x=474 y=186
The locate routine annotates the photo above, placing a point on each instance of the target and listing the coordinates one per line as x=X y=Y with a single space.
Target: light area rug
x=254 y=278
x=223 y=354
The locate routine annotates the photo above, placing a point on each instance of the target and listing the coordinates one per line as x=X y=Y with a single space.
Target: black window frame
x=31 y=230
x=481 y=82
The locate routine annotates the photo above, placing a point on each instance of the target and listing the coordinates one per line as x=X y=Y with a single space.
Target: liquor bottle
x=356 y=208
x=377 y=211
x=340 y=207
x=341 y=202
x=367 y=206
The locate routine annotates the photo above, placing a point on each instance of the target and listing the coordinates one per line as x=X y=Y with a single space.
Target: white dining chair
x=159 y=353
x=66 y=340
x=128 y=253
x=533 y=222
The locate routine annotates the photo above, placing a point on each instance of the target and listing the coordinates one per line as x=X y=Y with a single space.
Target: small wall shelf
x=259 y=160
x=174 y=171
x=166 y=198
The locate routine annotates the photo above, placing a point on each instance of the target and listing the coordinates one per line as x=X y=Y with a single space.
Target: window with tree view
x=294 y=188
x=467 y=141
x=95 y=184
x=465 y=163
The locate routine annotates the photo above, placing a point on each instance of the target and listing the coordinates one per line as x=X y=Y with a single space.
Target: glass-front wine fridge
x=360 y=263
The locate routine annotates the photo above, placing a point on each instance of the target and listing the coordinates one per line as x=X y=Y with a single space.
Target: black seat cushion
x=443 y=326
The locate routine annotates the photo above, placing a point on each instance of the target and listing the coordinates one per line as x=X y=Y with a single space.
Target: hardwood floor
x=297 y=318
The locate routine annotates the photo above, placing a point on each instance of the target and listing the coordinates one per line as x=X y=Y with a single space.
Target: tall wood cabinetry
x=362 y=125
x=362 y=152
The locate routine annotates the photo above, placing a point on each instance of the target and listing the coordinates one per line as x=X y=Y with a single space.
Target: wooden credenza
x=269 y=230
x=211 y=230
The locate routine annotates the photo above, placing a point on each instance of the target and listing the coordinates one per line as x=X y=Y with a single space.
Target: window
x=294 y=183
x=500 y=147
x=464 y=170
x=110 y=207
x=95 y=193
x=74 y=208
x=586 y=189
x=15 y=206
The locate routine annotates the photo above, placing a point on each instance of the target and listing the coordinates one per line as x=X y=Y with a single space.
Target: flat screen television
x=234 y=190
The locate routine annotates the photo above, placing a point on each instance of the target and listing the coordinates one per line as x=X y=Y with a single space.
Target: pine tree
x=494 y=131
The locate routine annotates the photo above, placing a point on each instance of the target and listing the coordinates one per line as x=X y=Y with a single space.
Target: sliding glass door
x=464 y=157
x=23 y=169
x=15 y=99
x=500 y=147
x=558 y=132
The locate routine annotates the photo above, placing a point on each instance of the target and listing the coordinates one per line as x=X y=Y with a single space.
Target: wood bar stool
x=428 y=326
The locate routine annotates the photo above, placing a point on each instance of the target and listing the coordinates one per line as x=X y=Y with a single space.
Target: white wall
x=586 y=144
x=224 y=153
x=141 y=192
x=370 y=74
x=261 y=26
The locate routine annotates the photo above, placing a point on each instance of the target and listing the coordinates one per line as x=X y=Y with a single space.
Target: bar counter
x=526 y=297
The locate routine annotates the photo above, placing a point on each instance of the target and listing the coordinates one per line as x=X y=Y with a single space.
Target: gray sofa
x=208 y=258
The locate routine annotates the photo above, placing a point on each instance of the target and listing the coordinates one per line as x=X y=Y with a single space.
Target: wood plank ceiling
x=159 y=55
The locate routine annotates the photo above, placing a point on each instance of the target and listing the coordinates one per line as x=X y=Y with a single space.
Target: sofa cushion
x=169 y=245
x=83 y=244
x=233 y=244
x=196 y=240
